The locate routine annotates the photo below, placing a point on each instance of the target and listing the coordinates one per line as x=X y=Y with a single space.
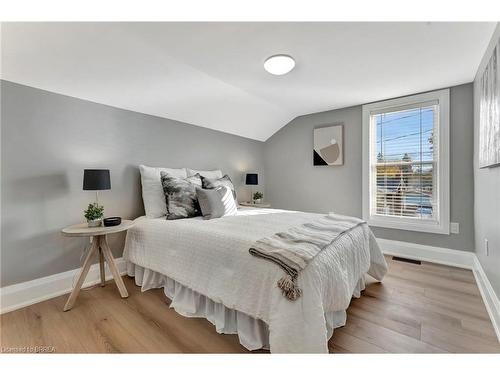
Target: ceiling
x=211 y=74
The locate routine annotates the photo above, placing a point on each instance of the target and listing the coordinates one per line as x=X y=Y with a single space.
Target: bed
x=205 y=269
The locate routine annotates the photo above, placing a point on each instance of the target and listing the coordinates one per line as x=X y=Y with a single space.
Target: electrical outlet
x=455 y=228
x=486 y=247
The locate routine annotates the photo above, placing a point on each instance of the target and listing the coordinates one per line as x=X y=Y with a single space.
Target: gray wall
x=48 y=139
x=294 y=183
x=487 y=193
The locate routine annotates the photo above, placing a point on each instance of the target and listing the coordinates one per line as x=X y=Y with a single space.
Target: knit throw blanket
x=295 y=248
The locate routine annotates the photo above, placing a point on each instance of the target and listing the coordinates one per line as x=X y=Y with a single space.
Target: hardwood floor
x=424 y=308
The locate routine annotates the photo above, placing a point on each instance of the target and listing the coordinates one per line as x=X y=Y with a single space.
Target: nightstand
x=259 y=205
x=98 y=247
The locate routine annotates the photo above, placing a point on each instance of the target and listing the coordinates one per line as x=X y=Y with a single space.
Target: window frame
x=442 y=224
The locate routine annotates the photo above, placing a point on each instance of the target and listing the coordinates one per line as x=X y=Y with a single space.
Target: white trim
x=490 y=298
x=450 y=257
x=433 y=254
x=20 y=295
x=443 y=174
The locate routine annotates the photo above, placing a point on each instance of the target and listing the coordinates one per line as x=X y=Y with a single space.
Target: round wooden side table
x=99 y=246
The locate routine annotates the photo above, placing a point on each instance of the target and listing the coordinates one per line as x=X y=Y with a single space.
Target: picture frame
x=489 y=112
x=328 y=145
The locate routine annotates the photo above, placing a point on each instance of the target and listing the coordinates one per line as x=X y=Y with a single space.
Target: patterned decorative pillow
x=180 y=195
x=212 y=183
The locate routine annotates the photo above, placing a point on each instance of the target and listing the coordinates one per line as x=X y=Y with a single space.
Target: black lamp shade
x=96 y=179
x=252 y=179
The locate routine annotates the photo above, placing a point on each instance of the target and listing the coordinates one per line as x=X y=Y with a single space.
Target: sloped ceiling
x=211 y=74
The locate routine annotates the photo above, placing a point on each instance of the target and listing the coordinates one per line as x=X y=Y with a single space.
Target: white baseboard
x=490 y=298
x=449 y=257
x=20 y=295
x=433 y=254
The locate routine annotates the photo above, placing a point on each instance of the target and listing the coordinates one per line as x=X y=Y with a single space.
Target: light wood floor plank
x=343 y=342
x=456 y=342
x=386 y=338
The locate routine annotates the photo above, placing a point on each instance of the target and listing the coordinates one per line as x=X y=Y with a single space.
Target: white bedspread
x=211 y=257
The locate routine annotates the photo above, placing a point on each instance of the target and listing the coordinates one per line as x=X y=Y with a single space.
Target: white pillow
x=217 y=173
x=152 y=190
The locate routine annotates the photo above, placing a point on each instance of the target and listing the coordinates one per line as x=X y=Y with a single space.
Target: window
x=406 y=163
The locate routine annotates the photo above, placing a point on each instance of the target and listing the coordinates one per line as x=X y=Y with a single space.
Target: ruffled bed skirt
x=253 y=333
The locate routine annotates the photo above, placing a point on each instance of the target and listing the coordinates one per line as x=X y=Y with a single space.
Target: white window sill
x=415 y=225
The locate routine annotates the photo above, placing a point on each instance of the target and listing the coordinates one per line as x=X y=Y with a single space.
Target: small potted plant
x=257 y=197
x=94 y=214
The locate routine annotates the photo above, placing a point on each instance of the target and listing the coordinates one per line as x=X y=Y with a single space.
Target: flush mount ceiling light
x=279 y=64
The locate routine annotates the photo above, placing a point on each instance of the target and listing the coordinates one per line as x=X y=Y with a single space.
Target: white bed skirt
x=253 y=333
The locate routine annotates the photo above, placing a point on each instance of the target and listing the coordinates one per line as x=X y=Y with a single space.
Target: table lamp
x=252 y=179
x=96 y=179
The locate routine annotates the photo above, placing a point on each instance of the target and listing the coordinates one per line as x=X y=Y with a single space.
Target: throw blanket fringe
x=294 y=249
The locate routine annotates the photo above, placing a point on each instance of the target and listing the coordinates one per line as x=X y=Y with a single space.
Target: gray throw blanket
x=294 y=249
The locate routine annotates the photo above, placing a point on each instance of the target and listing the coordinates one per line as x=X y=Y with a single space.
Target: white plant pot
x=258 y=201
x=94 y=223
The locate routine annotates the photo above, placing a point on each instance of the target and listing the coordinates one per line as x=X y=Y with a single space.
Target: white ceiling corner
x=211 y=74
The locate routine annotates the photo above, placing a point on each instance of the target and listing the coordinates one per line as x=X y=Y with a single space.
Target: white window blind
x=406 y=162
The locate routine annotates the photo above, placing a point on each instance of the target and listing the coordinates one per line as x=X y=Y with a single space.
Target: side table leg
x=101 y=267
x=83 y=274
x=112 y=266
